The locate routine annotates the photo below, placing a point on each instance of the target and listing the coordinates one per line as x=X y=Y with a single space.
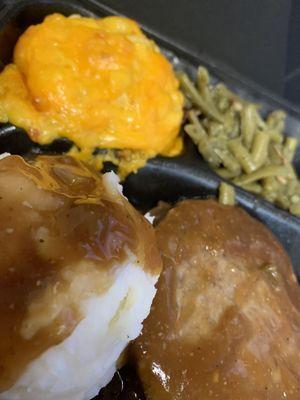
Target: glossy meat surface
x=225 y=323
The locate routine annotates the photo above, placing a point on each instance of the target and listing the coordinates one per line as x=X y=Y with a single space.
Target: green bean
x=295 y=199
x=229 y=162
x=194 y=132
x=293 y=174
x=242 y=155
x=199 y=136
x=264 y=172
x=226 y=194
x=261 y=124
x=197 y=99
x=275 y=154
x=232 y=128
x=270 y=184
x=276 y=120
x=295 y=209
x=275 y=136
x=292 y=187
x=204 y=89
x=216 y=129
x=226 y=174
x=252 y=187
x=270 y=196
x=289 y=149
x=283 y=201
x=248 y=125
x=208 y=152
x=222 y=101
x=226 y=93
x=193 y=117
x=260 y=148
x=203 y=80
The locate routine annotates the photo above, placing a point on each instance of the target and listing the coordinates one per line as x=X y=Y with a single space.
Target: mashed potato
x=78 y=269
x=100 y=83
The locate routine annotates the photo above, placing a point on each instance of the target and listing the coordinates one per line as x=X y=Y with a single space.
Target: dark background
x=258 y=38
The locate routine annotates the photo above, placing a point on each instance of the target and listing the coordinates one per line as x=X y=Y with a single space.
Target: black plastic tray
x=167 y=179
x=162 y=178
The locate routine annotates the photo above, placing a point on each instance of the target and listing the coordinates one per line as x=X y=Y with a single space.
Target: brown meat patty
x=225 y=323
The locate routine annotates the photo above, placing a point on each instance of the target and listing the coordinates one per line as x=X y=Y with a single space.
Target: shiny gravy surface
x=59 y=222
x=225 y=323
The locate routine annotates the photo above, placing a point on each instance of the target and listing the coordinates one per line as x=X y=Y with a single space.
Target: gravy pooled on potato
x=225 y=323
x=65 y=231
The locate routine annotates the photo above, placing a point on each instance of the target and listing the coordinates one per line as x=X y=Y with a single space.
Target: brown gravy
x=225 y=323
x=54 y=213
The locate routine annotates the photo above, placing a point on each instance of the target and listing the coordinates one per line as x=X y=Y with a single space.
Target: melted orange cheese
x=100 y=83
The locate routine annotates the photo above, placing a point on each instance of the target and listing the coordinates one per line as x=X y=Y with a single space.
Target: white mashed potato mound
x=83 y=363
x=86 y=361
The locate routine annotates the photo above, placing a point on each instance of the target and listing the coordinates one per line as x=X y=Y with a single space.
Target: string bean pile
x=239 y=144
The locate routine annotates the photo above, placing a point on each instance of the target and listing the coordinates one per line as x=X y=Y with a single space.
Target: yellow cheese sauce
x=100 y=83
